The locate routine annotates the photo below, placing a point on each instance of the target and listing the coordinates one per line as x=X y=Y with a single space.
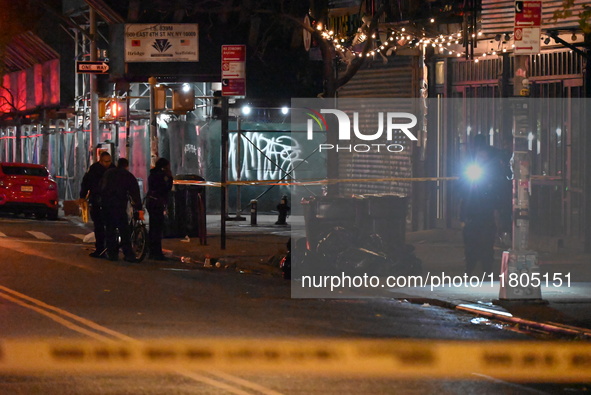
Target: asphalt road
x=51 y=289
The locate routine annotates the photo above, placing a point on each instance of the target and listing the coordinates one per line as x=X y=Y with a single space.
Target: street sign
x=233 y=70
x=91 y=67
x=528 y=13
x=307 y=36
x=526 y=32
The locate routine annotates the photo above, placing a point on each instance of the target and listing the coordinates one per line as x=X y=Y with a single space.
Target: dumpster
x=186 y=209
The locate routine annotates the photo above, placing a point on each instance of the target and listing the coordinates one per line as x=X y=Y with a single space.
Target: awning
x=27 y=50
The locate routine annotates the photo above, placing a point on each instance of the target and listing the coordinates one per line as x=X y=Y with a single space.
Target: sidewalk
x=248 y=248
x=562 y=306
x=564 y=310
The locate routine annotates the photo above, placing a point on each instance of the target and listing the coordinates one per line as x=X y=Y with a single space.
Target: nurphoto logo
x=388 y=122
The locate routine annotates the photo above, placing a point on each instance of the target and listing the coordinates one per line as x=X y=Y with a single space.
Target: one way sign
x=91 y=67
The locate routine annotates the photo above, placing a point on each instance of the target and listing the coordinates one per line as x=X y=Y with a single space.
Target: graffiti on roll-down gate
x=264 y=156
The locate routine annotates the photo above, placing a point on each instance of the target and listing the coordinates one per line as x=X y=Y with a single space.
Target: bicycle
x=139 y=235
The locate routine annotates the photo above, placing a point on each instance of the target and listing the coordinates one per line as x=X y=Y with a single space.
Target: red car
x=27 y=188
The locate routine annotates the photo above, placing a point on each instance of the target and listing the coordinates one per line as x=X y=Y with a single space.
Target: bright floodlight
x=473 y=172
x=284 y=110
x=246 y=110
x=186 y=87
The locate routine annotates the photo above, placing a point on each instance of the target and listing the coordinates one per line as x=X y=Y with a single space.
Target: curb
x=549 y=327
x=230 y=263
x=494 y=312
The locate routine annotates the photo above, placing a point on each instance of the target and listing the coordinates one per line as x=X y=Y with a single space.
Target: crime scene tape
x=315 y=182
x=204 y=183
x=527 y=361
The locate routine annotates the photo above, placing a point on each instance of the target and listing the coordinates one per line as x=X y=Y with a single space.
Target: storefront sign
x=173 y=42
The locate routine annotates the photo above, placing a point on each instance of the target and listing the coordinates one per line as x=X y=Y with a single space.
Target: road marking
x=78 y=236
x=84 y=321
x=243 y=382
x=119 y=344
x=55 y=318
x=40 y=235
x=2 y=234
x=213 y=382
x=22 y=246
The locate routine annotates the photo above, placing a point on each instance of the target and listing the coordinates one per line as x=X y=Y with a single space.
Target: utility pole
x=519 y=267
x=94 y=101
x=224 y=174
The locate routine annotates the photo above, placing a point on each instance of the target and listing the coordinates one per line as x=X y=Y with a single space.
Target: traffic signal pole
x=224 y=172
x=94 y=100
x=153 y=130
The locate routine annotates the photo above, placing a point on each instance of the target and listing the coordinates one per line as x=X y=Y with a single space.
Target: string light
x=411 y=39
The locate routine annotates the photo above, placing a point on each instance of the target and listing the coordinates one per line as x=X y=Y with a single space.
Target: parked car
x=29 y=189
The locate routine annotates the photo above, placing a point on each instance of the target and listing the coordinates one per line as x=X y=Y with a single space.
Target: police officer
x=479 y=208
x=90 y=189
x=118 y=187
x=159 y=186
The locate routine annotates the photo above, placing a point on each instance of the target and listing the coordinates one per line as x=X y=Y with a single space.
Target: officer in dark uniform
x=159 y=186
x=90 y=189
x=479 y=209
x=118 y=187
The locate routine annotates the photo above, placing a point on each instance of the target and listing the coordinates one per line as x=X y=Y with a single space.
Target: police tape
x=524 y=361
x=193 y=182
x=315 y=182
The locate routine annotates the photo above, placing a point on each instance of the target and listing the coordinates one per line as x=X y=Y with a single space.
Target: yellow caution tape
x=204 y=183
x=546 y=178
x=315 y=182
x=340 y=180
x=527 y=361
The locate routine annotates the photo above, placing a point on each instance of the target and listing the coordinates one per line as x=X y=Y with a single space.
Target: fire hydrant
x=283 y=209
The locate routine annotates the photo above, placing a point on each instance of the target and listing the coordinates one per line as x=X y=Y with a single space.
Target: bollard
x=283 y=209
x=253 y=212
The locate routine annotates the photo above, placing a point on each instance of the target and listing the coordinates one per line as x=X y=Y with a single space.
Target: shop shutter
x=396 y=79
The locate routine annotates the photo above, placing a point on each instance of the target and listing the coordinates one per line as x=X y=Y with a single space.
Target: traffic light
x=159 y=98
x=102 y=108
x=216 y=108
x=183 y=99
x=115 y=109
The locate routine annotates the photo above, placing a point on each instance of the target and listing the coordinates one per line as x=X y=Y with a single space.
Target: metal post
x=153 y=130
x=238 y=170
x=224 y=175
x=128 y=125
x=253 y=212
x=519 y=266
x=587 y=191
x=94 y=119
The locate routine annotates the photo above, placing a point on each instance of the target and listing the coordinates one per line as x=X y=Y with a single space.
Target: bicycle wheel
x=139 y=241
